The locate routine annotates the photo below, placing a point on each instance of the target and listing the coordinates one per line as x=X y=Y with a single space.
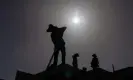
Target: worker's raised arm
x=64 y=28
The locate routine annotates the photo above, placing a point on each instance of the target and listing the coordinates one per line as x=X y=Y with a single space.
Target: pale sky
x=105 y=29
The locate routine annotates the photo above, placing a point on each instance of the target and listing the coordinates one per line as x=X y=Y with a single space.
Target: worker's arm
x=64 y=28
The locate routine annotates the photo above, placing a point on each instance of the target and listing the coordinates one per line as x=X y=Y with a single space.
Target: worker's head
x=76 y=55
x=84 y=69
x=94 y=55
x=50 y=28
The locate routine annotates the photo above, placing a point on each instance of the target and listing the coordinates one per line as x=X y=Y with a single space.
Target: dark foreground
x=67 y=72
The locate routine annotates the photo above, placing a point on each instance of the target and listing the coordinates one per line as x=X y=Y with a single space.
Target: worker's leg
x=56 y=52
x=63 y=51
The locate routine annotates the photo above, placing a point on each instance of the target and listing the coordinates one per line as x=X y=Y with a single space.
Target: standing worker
x=94 y=62
x=59 y=43
x=75 y=60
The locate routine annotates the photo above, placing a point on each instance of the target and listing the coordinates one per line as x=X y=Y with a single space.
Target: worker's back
x=95 y=62
x=57 y=36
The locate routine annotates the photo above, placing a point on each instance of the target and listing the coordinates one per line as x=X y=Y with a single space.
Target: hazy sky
x=106 y=29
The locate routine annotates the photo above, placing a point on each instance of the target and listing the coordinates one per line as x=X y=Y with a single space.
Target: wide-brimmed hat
x=76 y=55
x=94 y=55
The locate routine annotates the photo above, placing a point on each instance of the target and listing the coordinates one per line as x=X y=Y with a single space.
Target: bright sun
x=76 y=20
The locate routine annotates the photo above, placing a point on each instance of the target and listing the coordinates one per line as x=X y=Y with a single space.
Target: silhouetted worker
x=94 y=62
x=57 y=39
x=84 y=69
x=84 y=73
x=75 y=61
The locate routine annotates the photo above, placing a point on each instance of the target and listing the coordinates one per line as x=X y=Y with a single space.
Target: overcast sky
x=106 y=29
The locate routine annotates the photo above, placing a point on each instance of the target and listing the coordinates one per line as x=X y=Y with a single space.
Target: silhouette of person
x=84 y=69
x=75 y=61
x=57 y=39
x=94 y=62
x=84 y=73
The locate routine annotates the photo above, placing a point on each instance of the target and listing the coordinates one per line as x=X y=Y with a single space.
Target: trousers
x=56 y=53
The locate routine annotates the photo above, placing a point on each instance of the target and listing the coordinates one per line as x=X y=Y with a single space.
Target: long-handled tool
x=50 y=60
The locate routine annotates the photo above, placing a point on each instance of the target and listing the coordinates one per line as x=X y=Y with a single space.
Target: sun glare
x=76 y=20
